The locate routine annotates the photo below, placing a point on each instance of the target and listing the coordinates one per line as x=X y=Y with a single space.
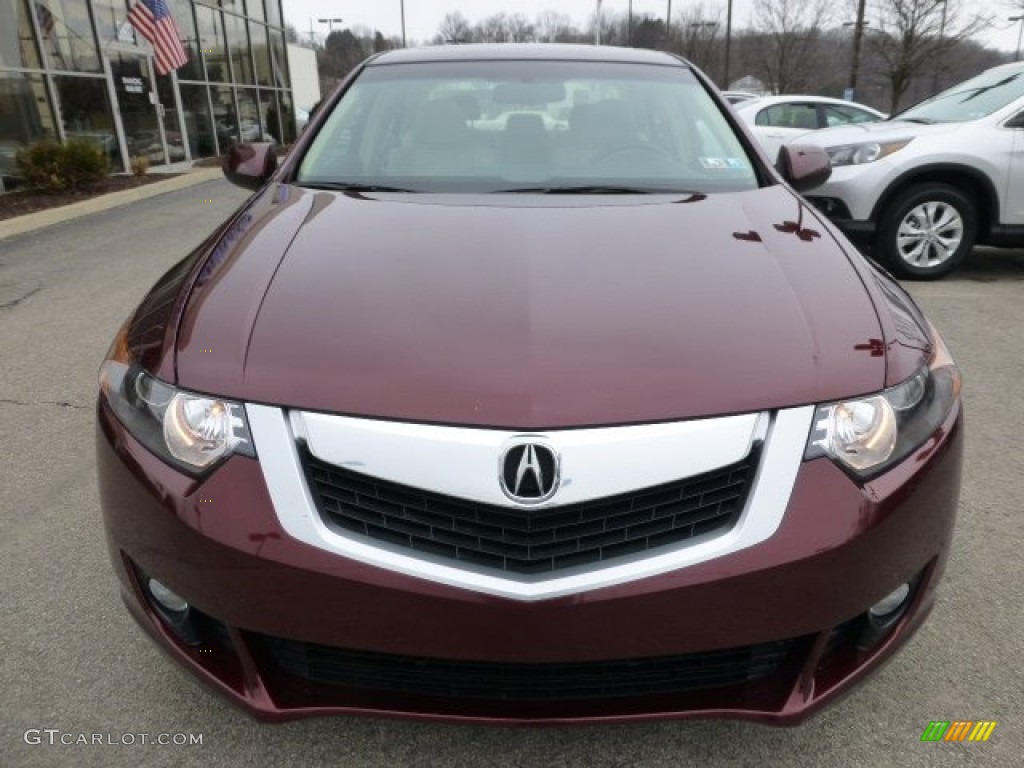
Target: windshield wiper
x=921 y=120
x=351 y=186
x=591 y=189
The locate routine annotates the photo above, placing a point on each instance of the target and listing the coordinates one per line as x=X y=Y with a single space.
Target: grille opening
x=529 y=541
x=496 y=681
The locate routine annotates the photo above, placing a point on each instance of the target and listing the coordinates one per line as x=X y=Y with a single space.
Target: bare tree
x=454 y=28
x=553 y=26
x=613 y=28
x=787 y=42
x=520 y=29
x=915 y=35
x=697 y=31
x=343 y=50
x=648 y=32
x=493 y=29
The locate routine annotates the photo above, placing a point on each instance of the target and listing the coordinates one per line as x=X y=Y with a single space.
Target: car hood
x=529 y=312
x=884 y=130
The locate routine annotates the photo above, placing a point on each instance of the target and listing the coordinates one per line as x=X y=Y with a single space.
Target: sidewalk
x=33 y=221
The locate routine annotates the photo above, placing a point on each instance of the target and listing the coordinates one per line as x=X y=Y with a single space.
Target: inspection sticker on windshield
x=723 y=163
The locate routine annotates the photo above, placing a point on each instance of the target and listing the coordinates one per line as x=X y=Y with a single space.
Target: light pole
x=698 y=25
x=728 y=44
x=330 y=24
x=402 y=6
x=858 y=37
x=1016 y=54
x=597 y=26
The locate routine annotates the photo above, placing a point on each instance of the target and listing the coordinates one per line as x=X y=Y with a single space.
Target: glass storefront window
x=133 y=83
x=284 y=99
x=254 y=9
x=233 y=88
x=212 y=44
x=25 y=116
x=249 y=118
x=109 y=15
x=198 y=124
x=17 y=40
x=261 y=53
x=182 y=11
x=84 y=109
x=225 y=118
x=278 y=60
x=270 y=116
x=274 y=13
x=238 y=47
x=172 y=125
x=66 y=34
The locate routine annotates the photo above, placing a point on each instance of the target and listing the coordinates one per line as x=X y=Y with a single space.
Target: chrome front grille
x=529 y=540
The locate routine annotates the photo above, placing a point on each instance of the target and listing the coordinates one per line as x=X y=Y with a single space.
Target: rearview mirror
x=528 y=93
x=804 y=166
x=249 y=165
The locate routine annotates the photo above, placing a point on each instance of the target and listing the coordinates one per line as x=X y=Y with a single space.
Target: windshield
x=971 y=100
x=530 y=126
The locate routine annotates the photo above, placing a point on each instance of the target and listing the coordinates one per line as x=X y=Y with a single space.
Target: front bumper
x=289 y=630
x=851 y=196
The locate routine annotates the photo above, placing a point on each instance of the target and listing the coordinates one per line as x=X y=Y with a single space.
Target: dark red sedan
x=527 y=390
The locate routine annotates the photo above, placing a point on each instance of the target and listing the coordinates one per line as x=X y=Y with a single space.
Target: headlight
x=189 y=431
x=869 y=435
x=866 y=152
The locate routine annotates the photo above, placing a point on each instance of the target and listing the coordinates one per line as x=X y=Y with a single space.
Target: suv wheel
x=927 y=231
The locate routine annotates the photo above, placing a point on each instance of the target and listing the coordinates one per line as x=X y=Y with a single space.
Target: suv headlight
x=868 y=435
x=189 y=431
x=865 y=152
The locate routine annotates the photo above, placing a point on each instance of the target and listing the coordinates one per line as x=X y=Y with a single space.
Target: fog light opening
x=166 y=598
x=891 y=605
x=883 y=616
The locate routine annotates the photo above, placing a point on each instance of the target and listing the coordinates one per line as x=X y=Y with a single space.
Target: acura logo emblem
x=529 y=472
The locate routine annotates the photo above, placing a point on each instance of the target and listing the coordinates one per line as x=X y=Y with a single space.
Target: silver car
x=922 y=188
x=777 y=120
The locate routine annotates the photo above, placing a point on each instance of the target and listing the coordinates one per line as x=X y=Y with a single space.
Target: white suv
x=923 y=187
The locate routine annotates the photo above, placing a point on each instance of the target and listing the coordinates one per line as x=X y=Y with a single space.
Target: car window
x=836 y=114
x=789 y=116
x=488 y=126
x=971 y=100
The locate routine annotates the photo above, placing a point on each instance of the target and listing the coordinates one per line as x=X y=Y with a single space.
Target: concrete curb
x=33 y=221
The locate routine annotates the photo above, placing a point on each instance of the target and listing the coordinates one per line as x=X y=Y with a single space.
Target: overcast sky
x=423 y=16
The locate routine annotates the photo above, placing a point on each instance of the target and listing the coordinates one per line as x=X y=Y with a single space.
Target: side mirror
x=249 y=165
x=804 y=166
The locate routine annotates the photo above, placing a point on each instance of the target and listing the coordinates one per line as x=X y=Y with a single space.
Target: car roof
x=765 y=101
x=1012 y=66
x=525 y=51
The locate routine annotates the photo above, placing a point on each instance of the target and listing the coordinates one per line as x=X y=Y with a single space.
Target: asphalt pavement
x=74 y=666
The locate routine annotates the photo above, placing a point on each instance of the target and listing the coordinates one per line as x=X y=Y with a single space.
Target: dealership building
x=77 y=69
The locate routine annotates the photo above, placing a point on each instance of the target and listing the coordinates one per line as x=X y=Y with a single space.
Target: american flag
x=154 y=21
